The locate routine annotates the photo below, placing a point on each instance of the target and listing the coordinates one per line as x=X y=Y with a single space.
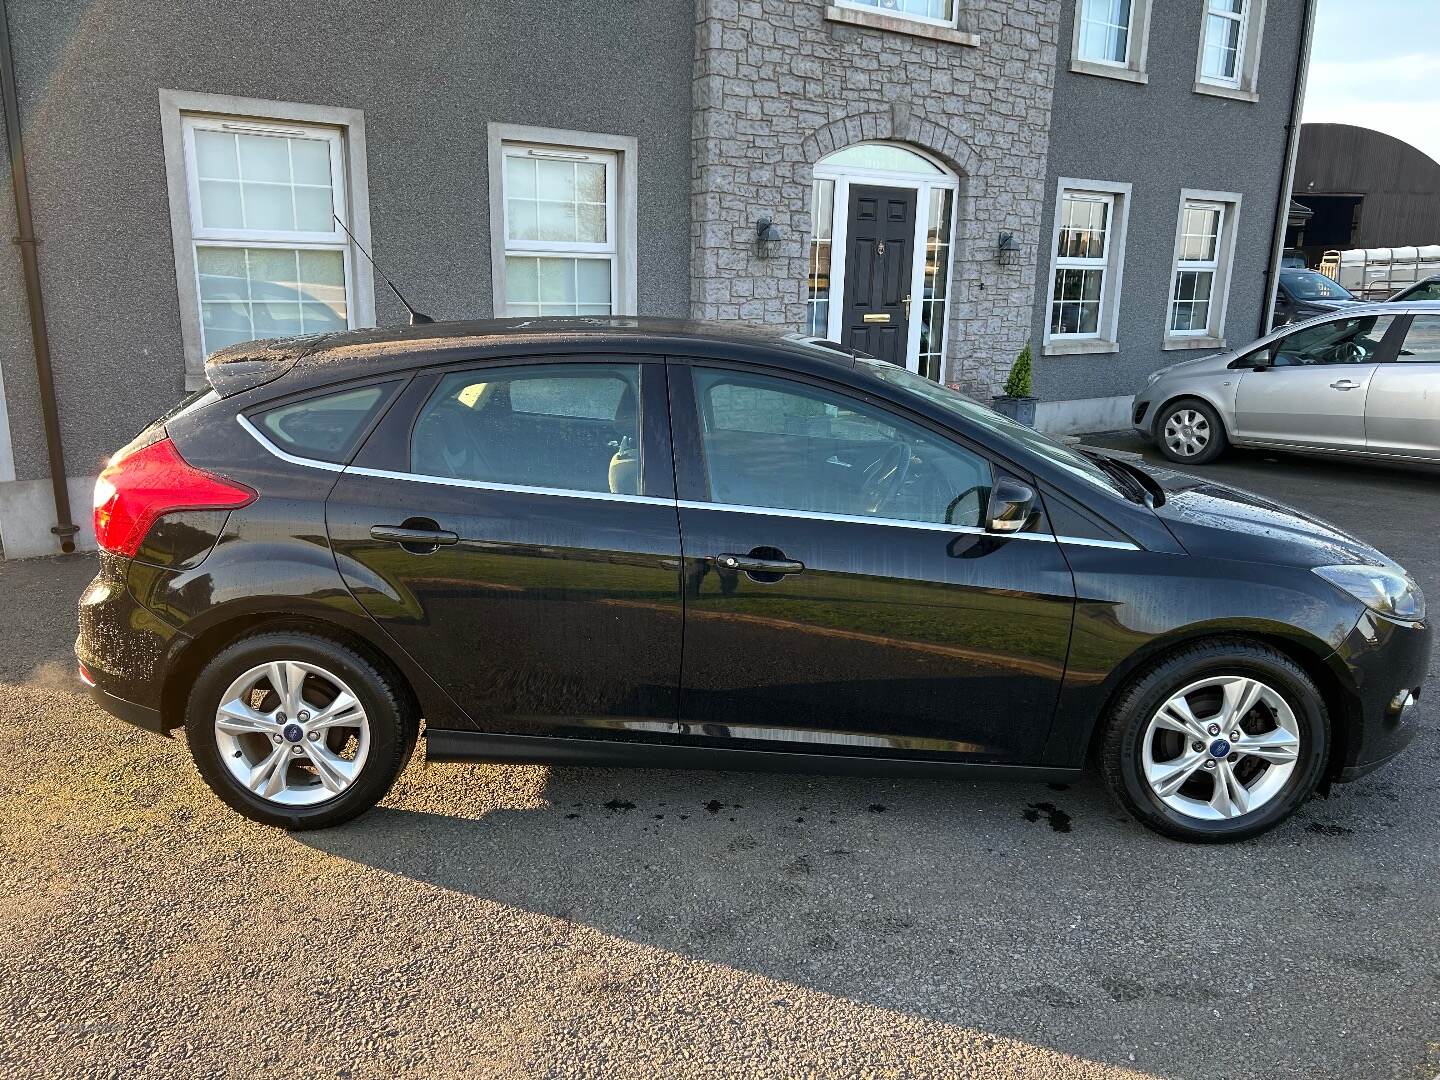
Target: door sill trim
x=479 y=746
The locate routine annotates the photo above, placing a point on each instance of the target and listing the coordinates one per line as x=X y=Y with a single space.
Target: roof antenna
x=416 y=317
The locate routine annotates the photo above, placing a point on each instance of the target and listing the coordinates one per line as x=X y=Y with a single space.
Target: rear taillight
x=135 y=490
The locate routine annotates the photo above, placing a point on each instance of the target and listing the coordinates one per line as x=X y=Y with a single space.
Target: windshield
x=957 y=403
x=1313 y=286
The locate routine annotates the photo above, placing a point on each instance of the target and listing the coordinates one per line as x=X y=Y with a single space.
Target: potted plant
x=1017 y=401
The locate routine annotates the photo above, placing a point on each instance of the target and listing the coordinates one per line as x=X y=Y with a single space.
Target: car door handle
x=399 y=534
x=1345 y=384
x=751 y=565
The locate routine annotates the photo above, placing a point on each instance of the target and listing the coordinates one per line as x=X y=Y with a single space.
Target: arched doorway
x=881 y=253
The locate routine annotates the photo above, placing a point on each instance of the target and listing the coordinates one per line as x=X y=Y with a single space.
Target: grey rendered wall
x=429 y=77
x=1162 y=137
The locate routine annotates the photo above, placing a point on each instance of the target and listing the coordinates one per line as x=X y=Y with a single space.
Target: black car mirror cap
x=1010 y=505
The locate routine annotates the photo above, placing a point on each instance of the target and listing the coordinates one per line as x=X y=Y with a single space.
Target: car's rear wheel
x=298 y=731
x=1189 y=431
x=1219 y=741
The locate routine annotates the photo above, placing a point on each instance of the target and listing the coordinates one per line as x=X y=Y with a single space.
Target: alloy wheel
x=1221 y=748
x=1187 y=432
x=292 y=733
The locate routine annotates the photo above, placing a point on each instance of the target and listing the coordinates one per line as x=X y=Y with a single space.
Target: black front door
x=879 y=249
x=840 y=592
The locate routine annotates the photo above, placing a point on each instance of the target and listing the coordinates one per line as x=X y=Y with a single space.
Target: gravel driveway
x=509 y=922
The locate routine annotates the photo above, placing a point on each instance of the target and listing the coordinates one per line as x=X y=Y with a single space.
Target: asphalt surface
x=517 y=922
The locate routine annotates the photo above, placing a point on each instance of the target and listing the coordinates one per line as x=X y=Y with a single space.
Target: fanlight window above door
x=885 y=157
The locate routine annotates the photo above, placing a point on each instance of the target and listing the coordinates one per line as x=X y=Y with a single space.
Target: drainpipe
x=63 y=528
x=1287 y=174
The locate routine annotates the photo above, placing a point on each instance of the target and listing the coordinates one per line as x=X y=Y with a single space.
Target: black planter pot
x=1021 y=409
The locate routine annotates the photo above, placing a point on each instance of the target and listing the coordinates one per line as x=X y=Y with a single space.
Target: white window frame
x=874 y=9
x=1247 y=59
x=621 y=199
x=182 y=113
x=922 y=184
x=1137 y=47
x=1105 y=338
x=1213 y=335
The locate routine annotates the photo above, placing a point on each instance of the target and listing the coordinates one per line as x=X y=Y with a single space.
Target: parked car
x=1424 y=289
x=1362 y=384
x=638 y=543
x=1293 y=258
x=1301 y=294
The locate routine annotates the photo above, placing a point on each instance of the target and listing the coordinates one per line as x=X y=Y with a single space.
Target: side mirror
x=1010 y=505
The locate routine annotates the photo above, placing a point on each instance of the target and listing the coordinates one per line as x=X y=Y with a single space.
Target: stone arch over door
x=900 y=124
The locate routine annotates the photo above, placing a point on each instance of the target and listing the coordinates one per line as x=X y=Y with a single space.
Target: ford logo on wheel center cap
x=293 y=732
x=1218 y=748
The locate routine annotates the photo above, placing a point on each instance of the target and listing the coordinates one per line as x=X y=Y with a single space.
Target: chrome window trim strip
x=685 y=504
x=513 y=489
x=259 y=437
x=902 y=523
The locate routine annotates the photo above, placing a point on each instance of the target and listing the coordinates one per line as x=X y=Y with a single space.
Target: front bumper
x=1140 y=418
x=1383 y=661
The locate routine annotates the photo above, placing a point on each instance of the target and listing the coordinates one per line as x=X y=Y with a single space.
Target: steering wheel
x=1350 y=352
x=955 y=503
x=885 y=476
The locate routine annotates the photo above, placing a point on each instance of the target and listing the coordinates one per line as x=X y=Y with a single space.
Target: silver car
x=1362 y=382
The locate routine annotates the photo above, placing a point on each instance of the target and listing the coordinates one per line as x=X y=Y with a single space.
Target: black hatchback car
x=627 y=542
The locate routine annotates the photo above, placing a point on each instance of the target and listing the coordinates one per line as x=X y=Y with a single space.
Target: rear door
x=513 y=527
x=840 y=592
x=1312 y=391
x=1402 y=410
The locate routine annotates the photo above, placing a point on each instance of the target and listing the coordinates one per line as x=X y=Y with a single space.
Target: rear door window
x=565 y=426
x=325 y=427
x=1422 y=341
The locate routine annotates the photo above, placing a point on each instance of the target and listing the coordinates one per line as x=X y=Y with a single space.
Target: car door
x=1402 y=410
x=840 y=590
x=1308 y=388
x=513 y=527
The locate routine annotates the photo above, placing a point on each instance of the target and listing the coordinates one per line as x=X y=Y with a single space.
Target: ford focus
x=655 y=544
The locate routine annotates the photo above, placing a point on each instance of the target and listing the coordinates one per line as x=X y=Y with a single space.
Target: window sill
x=1088 y=346
x=898 y=24
x=1108 y=71
x=1234 y=93
x=1174 y=344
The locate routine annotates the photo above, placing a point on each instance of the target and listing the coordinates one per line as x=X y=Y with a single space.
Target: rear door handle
x=752 y=565
x=399 y=534
x=1344 y=384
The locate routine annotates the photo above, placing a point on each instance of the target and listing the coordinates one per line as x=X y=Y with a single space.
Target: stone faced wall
x=779 y=85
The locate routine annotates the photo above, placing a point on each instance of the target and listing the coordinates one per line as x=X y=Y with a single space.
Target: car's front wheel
x=1219 y=741
x=1189 y=431
x=298 y=731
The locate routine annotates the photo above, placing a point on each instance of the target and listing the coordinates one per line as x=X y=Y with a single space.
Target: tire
x=1136 y=743
x=1190 y=423
x=366 y=745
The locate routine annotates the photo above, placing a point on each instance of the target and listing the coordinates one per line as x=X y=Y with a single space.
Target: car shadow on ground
x=1028 y=911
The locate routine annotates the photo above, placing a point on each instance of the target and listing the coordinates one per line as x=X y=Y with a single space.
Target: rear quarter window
x=325 y=427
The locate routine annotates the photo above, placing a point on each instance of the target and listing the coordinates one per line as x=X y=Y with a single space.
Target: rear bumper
x=120 y=648
x=142 y=716
x=1385 y=662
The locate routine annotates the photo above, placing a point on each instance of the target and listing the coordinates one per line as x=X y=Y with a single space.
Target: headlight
x=1155 y=376
x=1390 y=592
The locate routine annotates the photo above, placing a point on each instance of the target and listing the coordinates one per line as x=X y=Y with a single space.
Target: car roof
x=430 y=342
